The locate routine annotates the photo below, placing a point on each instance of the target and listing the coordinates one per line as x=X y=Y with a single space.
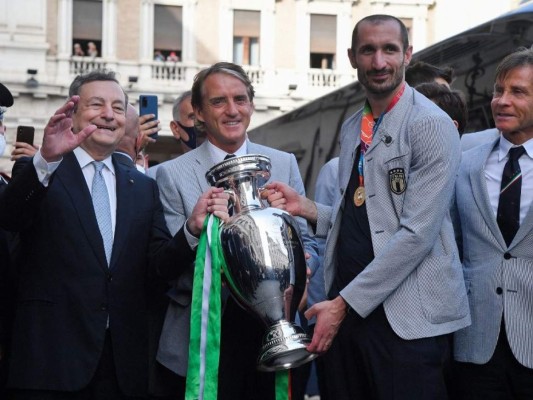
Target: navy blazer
x=67 y=291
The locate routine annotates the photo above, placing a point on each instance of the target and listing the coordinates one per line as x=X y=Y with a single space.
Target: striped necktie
x=508 y=216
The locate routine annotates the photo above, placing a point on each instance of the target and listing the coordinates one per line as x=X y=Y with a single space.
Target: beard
x=385 y=87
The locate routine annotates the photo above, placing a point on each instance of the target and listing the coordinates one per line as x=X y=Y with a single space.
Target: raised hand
x=58 y=137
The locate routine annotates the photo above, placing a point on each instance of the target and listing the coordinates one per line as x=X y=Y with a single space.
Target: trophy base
x=284 y=347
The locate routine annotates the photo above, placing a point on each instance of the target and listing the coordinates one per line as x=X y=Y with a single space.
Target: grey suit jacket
x=471 y=140
x=489 y=264
x=181 y=182
x=416 y=273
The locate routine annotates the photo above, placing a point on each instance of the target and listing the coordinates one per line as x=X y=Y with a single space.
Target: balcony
x=327 y=78
x=175 y=77
x=81 y=65
x=166 y=71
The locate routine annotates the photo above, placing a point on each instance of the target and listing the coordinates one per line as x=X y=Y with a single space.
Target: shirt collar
x=218 y=154
x=506 y=145
x=85 y=159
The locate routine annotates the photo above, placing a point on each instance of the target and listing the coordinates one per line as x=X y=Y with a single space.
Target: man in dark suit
x=92 y=233
x=6 y=289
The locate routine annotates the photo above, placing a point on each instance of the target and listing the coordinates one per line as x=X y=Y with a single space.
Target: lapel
x=526 y=227
x=71 y=177
x=478 y=182
x=203 y=163
x=126 y=195
x=392 y=122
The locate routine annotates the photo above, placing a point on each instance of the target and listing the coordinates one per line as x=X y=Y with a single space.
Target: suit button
x=109 y=277
x=103 y=307
x=499 y=290
x=507 y=256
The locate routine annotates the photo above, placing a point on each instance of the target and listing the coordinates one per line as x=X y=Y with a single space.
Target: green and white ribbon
x=202 y=372
x=204 y=344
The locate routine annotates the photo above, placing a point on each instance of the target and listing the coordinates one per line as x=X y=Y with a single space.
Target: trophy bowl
x=266 y=269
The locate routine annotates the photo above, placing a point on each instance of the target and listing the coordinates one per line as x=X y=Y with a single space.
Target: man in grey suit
x=494 y=193
x=392 y=269
x=222 y=99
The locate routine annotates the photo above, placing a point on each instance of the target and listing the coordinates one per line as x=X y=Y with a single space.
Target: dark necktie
x=509 y=205
x=228 y=156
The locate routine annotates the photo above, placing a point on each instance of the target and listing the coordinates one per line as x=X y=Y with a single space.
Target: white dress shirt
x=45 y=171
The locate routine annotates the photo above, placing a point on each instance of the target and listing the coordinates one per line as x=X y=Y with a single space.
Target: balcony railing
x=323 y=78
x=81 y=65
x=255 y=74
x=168 y=71
x=161 y=74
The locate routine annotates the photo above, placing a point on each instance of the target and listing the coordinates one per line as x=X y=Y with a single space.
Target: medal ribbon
x=369 y=128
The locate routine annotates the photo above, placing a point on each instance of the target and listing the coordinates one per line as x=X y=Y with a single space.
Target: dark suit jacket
x=67 y=291
x=124 y=159
x=6 y=300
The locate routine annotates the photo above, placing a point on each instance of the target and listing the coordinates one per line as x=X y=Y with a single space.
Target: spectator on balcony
x=78 y=51
x=173 y=57
x=92 y=51
x=158 y=56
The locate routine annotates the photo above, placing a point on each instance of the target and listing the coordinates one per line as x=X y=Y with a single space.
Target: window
x=323 y=41
x=87 y=28
x=168 y=28
x=246 y=28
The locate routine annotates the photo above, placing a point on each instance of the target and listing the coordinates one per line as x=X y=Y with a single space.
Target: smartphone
x=148 y=105
x=25 y=134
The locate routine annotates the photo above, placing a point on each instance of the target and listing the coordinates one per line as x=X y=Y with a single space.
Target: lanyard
x=369 y=128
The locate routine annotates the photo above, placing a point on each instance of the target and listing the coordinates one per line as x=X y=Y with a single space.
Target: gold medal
x=359 y=196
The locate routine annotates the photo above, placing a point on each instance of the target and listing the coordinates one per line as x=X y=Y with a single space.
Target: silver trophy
x=265 y=259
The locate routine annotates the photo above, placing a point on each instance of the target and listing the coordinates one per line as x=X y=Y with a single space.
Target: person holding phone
x=24 y=146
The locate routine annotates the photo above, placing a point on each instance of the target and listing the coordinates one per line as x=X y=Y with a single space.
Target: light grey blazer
x=471 y=140
x=416 y=273
x=181 y=182
x=489 y=264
